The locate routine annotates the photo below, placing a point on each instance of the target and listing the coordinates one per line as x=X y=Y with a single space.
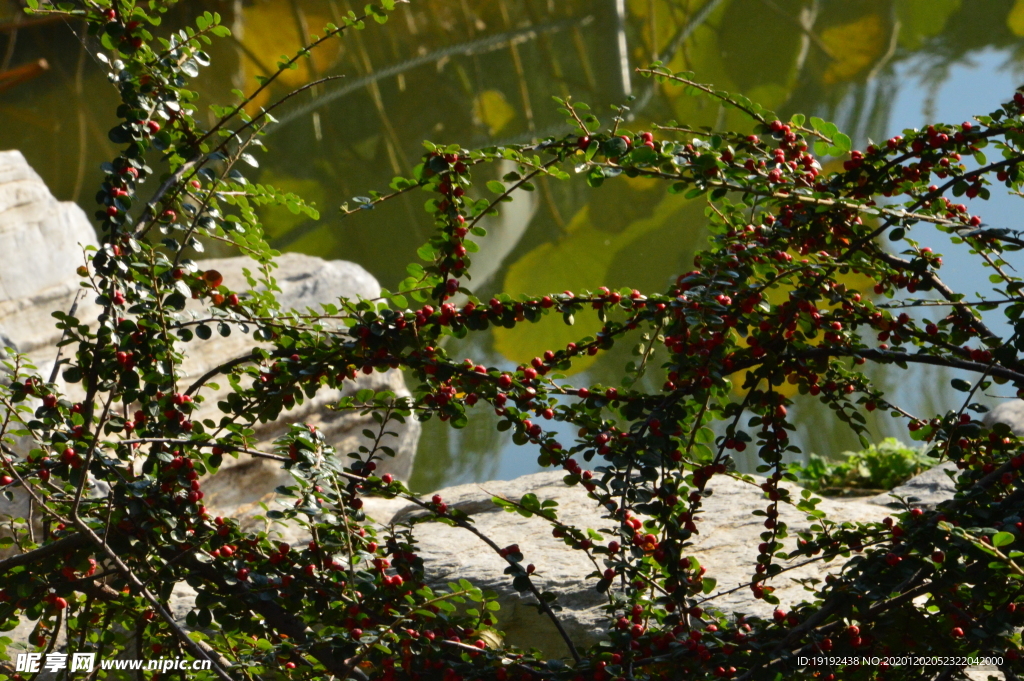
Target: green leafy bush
x=879 y=467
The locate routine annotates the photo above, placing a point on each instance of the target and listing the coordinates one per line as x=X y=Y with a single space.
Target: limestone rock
x=1011 y=413
x=726 y=544
x=926 y=490
x=42 y=239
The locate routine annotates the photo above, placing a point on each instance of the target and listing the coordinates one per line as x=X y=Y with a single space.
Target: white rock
x=1010 y=412
x=925 y=490
x=41 y=240
x=726 y=545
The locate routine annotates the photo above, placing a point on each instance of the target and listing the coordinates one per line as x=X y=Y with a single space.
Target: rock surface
x=42 y=240
x=926 y=490
x=726 y=544
x=1010 y=412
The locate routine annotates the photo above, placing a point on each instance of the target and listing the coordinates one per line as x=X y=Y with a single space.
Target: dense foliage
x=879 y=467
x=116 y=466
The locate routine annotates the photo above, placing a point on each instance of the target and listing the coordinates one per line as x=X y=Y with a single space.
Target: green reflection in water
x=466 y=71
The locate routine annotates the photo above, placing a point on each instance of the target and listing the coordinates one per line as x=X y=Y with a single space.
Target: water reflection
x=483 y=72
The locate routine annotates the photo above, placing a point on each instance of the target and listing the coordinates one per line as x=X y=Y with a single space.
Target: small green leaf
x=1002 y=539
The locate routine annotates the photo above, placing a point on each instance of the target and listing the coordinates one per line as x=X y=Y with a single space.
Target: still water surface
x=480 y=72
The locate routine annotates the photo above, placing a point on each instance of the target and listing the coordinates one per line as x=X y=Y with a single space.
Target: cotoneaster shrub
x=764 y=306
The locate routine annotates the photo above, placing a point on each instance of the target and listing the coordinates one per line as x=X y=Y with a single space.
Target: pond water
x=481 y=72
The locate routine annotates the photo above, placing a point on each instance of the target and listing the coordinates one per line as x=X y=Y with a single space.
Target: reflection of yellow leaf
x=492 y=109
x=278 y=220
x=580 y=261
x=271 y=30
x=1015 y=19
x=367 y=149
x=921 y=19
x=855 y=46
x=641 y=182
x=769 y=95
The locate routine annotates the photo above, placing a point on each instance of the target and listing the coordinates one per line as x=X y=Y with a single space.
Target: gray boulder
x=1010 y=412
x=726 y=544
x=42 y=239
x=926 y=490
